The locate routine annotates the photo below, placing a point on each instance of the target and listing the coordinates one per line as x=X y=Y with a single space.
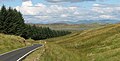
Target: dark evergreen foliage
x=12 y=22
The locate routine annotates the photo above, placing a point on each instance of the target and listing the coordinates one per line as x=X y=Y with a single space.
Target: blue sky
x=47 y=11
x=14 y=3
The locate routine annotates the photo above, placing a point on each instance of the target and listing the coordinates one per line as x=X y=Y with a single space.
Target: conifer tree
x=3 y=13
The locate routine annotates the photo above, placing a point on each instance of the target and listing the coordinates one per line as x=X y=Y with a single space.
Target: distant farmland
x=72 y=27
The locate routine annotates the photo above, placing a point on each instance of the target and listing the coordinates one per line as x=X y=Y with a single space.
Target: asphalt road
x=17 y=54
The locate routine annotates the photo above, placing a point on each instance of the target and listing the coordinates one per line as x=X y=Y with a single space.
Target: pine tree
x=3 y=13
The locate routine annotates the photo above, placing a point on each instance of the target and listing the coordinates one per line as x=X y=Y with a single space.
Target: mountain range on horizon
x=105 y=21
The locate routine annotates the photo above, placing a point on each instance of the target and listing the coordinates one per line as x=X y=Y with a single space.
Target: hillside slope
x=102 y=44
x=11 y=42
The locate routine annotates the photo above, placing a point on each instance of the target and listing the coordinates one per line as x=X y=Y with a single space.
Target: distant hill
x=58 y=23
x=88 y=22
x=110 y=21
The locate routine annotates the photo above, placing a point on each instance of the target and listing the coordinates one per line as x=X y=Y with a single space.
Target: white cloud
x=43 y=17
x=58 y=1
x=53 y=13
x=64 y=15
x=27 y=3
x=102 y=8
x=96 y=5
x=27 y=9
x=106 y=16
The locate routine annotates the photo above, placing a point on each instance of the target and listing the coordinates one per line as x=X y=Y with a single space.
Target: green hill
x=101 y=44
x=11 y=42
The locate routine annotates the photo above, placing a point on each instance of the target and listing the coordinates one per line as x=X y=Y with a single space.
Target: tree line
x=12 y=22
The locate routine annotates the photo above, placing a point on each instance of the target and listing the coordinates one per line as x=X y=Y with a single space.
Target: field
x=99 y=44
x=72 y=27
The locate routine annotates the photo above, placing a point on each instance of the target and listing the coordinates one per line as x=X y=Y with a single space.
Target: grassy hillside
x=11 y=42
x=102 y=44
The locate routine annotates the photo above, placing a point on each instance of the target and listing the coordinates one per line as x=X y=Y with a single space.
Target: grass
x=11 y=42
x=48 y=53
x=35 y=56
x=100 y=44
x=57 y=54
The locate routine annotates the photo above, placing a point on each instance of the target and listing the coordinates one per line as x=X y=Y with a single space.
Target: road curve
x=19 y=54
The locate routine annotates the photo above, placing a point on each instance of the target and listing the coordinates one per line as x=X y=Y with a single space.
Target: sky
x=52 y=11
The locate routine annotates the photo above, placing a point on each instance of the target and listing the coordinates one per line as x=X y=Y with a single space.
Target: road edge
x=29 y=53
x=13 y=50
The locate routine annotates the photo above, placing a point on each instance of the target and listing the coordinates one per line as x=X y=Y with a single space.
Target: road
x=19 y=54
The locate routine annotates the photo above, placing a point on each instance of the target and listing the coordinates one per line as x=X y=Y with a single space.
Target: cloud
x=106 y=11
x=57 y=1
x=41 y=13
x=25 y=0
x=26 y=9
x=27 y=3
x=106 y=16
x=13 y=0
x=6 y=0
